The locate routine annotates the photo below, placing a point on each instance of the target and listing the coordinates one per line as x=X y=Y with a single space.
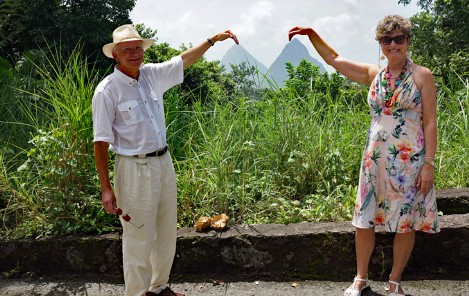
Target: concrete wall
x=271 y=251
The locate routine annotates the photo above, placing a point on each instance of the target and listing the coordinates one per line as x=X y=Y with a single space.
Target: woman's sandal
x=396 y=289
x=351 y=291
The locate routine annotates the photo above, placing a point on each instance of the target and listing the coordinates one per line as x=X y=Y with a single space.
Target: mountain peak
x=293 y=52
x=295 y=42
x=238 y=54
x=297 y=46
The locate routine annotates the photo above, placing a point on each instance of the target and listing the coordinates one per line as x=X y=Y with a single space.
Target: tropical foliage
x=260 y=155
x=28 y=25
x=441 y=36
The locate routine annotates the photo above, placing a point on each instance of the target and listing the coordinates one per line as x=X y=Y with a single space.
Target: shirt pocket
x=130 y=112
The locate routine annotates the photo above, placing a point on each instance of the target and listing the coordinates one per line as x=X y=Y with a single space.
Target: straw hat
x=125 y=33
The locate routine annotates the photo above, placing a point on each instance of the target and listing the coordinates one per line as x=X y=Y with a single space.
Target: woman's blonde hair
x=393 y=23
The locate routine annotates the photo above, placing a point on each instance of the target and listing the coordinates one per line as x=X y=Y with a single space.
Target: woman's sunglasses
x=399 y=39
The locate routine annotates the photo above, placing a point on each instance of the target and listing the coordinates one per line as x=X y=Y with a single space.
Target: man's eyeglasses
x=399 y=39
x=127 y=218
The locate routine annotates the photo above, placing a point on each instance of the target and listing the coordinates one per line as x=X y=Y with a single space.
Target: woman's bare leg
x=402 y=248
x=364 y=246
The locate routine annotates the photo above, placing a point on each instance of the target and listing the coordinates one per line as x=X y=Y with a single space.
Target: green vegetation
x=48 y=186
x=26 y=25
x=259 y=155
x=288 y=155
x=441 y=36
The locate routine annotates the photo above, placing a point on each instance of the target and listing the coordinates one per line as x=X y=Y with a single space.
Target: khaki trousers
x=145 y=189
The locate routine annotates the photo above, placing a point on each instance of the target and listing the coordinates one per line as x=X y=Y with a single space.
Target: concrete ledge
x=453 y=201
x=322 y=251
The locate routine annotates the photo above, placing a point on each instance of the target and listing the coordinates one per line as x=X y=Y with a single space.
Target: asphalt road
x=78 y=287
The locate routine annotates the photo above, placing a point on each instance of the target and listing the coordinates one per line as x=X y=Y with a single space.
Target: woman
x=396 y=185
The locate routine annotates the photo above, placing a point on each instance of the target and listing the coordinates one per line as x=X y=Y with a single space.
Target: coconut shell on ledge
x=219 y=222
x=203 y=223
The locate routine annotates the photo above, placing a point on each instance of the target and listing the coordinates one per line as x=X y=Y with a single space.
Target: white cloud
x=352 y=2
x=336 y=24
x=259 y=10
x=252 y=20
x=262 y=25
x=180 y=26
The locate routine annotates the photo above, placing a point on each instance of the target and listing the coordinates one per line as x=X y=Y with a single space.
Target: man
x=128 y=119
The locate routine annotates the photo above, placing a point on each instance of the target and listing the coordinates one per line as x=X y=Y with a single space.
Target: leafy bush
x=278 y=157
x=54 y=191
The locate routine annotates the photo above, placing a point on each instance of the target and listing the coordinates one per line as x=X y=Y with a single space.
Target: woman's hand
x=426 y=178
x=358 y=72
x=301 y=31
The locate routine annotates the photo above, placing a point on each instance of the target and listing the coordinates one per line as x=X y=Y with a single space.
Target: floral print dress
x=392 y=159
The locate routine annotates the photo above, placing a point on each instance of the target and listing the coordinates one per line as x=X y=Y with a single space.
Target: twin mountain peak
x=294 y=52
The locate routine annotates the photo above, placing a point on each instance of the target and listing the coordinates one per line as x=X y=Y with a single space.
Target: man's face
x=129 y=55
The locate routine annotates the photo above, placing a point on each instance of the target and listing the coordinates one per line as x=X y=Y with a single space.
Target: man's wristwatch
x=210 y=42
x=430 y=162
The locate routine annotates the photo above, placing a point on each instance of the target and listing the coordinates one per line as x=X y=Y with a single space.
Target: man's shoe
x=165 y=292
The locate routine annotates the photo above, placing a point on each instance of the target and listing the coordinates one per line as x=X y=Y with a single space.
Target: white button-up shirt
x=129 y=113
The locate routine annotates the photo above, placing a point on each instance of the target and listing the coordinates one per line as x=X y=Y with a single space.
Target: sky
x=262 y=26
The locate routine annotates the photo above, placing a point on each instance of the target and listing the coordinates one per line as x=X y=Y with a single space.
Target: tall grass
x=277 y=158
x=453 y=133
x=11 y=130
x=56 y=182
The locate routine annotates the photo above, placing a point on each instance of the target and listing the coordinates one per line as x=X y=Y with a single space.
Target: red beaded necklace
x=386 y=83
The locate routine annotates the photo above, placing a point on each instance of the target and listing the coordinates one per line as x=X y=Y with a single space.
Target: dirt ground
x=75 y=286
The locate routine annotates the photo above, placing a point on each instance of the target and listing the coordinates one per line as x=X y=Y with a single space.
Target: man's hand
x=109 y=201
x=225 y=35
x=107 y=193
x=191 y=55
